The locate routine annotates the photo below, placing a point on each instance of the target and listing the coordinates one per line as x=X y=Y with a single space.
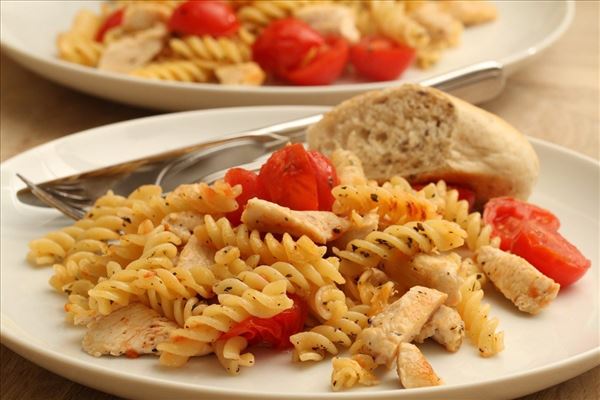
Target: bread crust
x=425 y=135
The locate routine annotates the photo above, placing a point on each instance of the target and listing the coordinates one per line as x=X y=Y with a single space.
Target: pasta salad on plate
x=239 y=42
x=311 y=255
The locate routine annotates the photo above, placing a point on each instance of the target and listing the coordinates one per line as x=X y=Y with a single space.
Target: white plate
x=554 y=346
x=29 y=30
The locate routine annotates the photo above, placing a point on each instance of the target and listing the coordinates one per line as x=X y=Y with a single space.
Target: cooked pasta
x=124 y=45
x=229 y=353
x=349 y=372
x=207 y=48
x=480 y=329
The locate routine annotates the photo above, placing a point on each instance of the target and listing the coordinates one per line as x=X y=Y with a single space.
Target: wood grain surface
x=556 y=97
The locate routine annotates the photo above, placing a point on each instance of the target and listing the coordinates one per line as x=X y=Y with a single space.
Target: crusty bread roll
x=425 y=135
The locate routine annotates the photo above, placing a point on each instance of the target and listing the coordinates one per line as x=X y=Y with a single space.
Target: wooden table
x=556 y=97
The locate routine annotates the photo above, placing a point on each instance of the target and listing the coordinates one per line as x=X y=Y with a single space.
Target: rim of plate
x=10 y=335
x=506 y=62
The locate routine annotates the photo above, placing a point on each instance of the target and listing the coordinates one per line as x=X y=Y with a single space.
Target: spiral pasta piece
x=220 y=233
x=313 y=345
x=480 y=329
x=260 y=13
x=407 y=239
x=208 y=48
x=176 y=70
x=349 y=372
x=229 y=354
x=393 y=204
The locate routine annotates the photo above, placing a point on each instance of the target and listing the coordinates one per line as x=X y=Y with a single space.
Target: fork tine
x=69 y=210
x=71 y=196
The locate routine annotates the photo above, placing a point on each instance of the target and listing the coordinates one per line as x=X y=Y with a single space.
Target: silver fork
x=74 y=195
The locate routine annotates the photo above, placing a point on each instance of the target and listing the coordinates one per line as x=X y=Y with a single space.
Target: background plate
x=29 y=29
x=541 y=351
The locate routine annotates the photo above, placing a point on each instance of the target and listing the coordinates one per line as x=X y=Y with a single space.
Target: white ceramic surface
x=29 y=29
x=554 y=346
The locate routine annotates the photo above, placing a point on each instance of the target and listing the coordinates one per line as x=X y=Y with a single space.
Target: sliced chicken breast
x=249 y=73
x=131 y=330
x=194 y=253
x=320 y=226
x=519 y=281
x=360 y=227
x=133 y=51
x=400 y=322
x=182 y=223
x=440 y=272
x=413 y=368
x=445 y=327
x=330 y=20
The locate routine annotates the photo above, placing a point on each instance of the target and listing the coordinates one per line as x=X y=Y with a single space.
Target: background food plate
x=554 y=346
x=29 y=29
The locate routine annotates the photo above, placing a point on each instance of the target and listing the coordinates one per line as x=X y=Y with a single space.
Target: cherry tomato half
x=550 y=253
x=250 y=188
x=206 y=17
x=300 y=180
x=506 y=216
x=289 y=178
x=324 y=67
x=284 y=44
x=275 y=331
x=380 y=59
x=113 y=20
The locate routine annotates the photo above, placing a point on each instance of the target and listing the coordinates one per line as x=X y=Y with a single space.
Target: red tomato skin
x=251 y=188
x=275 y=331
x=325 y=67
x=506 y=216
x=289 y=178
x=380 y=59
x=284 y=44
x=206 y=17
x=550 y=253
x=327 y=179
x=113 y=20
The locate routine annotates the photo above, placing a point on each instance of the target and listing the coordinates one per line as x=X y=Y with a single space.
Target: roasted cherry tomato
x=289 y=178
x=380 y=59
x=206 y=17
x=275 y=331
x=550 y=253
x=323 y=67
x=113 y=20
x=300 y=180
x=284 y=44
x=292 y=50
x=250 y=188
x=506 y=216
x=327 y=179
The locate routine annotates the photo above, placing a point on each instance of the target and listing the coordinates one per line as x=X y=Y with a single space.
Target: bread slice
x=425 y=135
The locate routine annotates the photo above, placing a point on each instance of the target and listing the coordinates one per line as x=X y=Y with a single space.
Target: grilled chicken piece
x=182 y=223
x=443 y=28
x=471 y=12
x=133 y=51
x=439 y=272
x=445 y=327
x=194 y=253
x=140 y=15
x=348 y=167
x=413 y=368
x=131 y=330
x=360 y=228
x=249 y=73
x=330 y=20
x=320 y=226
x=519 y=281
x=400 y=322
